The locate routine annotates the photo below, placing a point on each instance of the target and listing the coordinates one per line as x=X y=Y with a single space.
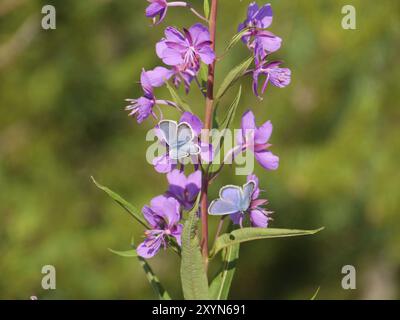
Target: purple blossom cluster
x=183 y=52
x=165 y=212
x=263 y=43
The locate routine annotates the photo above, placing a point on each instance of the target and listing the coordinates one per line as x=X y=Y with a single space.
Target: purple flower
x=157 y=8
x=260 y=18
x=163 y=216
x=184 y=189
x=182 y=74
x=165 y=164
x=256 y=139
x=258 y=215
x=279 y=77
x=186 y=49
x=262 y=42
x=142 y=107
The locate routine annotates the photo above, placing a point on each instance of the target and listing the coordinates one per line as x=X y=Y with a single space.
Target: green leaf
x=193 y=274
x=177 y=99
x=126 y=254
x=230 y=115
x=206 y=9
x=315 y=294
x=220 y=286
x=249 y=234
x=235 y=39
x=225 y=124
x=154 y=282
x=159 y=290
x=233 y=76
x=203 y=74
x=135 y=213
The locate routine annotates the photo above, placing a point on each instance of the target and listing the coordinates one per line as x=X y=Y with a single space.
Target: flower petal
x=172 y=57
x=258 y=218
x=149 y=247
x=264 y=16
x=158 y=76
x=154 y=9
x=160 y=47
x=164 y=164
x=252 y=10
x=193 y=121
x=193 y=184
x=173 y=34
x=267 y=160
x=268 y=42
x=207 y=54
x=177 y=234
x=263 y=133
x=177 y=178
x=199 y=33
x=150 y=216
x=280 y=77
x=237 y=218
x=248 y=121
x=146 y=83
x=167 y=208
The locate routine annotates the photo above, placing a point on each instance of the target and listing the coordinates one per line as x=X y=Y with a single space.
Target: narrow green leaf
x=177 y=99
x=249 y=234
x=159 y=290
x=154 y=282
x=203 y=74
x=235 y=39
x=135 y=213
x=220 y=286
x=230 y=115
x=126 y=254
x=193 y=274
x=206 y=9
x=315 y=294
x=233 y=76
x=225 y=124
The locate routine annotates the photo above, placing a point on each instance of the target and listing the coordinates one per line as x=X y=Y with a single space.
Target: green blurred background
x=336 y=129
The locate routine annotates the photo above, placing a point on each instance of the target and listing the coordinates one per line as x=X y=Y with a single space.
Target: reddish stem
x=207 y=126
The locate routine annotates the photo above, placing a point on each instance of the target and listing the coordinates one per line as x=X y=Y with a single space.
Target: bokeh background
x=336 y=129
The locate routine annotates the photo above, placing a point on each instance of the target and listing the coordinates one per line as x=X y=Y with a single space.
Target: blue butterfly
x=179 y=138
x=232 y=199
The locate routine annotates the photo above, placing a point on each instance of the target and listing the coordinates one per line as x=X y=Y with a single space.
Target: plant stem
x=207 y=126
x=189 y=6
x=219 y=229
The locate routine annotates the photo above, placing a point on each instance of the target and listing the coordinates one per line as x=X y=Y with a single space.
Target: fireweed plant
x=178 y=219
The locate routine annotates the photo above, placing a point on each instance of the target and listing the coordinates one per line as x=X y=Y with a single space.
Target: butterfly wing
x=185 y=133
x=169 y=131
x=221 y=207
x=246 y=193
x=175 y=153
x=228 y=203
x=190 y=148
x=230 y=193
